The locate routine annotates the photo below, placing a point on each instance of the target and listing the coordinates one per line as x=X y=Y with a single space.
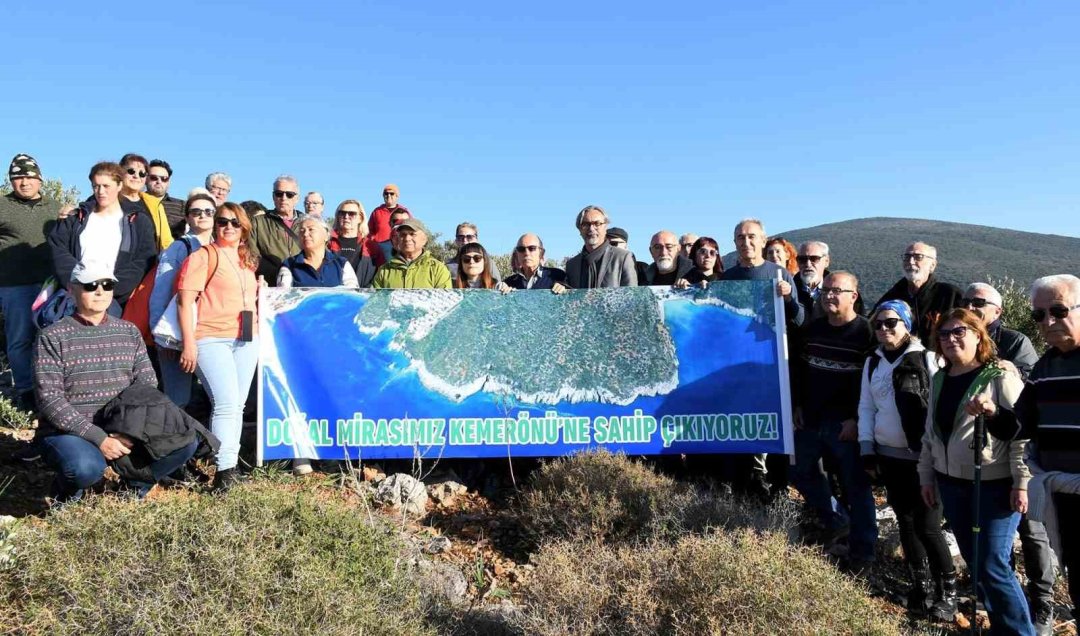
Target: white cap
x=91 y=272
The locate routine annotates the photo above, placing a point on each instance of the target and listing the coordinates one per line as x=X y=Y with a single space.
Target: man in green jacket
x=411 y=267
x=26 y=218
x=272 y=234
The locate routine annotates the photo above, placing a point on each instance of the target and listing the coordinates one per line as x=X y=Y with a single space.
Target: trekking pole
x=976 y=530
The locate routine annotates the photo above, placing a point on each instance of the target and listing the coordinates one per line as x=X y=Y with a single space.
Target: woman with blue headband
x=892 y=419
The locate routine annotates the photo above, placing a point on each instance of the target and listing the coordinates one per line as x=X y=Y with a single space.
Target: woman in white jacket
x=892 y=420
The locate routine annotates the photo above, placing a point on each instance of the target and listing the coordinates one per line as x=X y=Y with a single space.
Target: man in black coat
x=928 y=297
x=669 y=265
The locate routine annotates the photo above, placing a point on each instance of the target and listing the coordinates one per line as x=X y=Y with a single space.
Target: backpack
x=911 y=389
x=137 y=309
x=167 y=332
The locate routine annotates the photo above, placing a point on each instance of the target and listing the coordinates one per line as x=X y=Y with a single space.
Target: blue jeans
x=999 y=590
x=176 y=384
x=79 y=464
x=226 y=366
x=810 y=445
x=19 y=330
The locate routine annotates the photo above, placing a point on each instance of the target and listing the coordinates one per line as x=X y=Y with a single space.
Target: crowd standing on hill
x=134 y=289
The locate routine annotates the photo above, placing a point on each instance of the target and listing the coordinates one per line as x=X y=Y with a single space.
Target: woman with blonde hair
x=349 y=238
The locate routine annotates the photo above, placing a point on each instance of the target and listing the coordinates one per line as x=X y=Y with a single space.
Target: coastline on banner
x=475 y=373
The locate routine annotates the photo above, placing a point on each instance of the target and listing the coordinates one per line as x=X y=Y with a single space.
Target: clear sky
x=512 y=115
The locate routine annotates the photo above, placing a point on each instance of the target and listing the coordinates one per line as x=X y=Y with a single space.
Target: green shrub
x=263 y=559
x=742 y=582
x=610 y=497
x=1016 y=310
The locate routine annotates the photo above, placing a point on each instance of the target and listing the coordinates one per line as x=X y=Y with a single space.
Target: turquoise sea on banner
x=334 y=370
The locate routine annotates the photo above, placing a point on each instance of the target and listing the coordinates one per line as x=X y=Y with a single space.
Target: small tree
x=1016 y=310
x=52 y=188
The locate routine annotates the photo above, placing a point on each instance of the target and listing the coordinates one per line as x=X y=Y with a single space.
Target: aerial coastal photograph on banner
x=476 y=373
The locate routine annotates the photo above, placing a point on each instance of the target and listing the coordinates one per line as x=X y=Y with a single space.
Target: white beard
x=665 y=265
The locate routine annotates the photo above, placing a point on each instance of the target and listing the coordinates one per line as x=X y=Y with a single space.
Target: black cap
x=619 y=233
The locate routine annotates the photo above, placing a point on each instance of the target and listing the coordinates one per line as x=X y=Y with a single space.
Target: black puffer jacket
x=158 y=427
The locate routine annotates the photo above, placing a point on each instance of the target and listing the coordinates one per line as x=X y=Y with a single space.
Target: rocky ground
x=461 y=523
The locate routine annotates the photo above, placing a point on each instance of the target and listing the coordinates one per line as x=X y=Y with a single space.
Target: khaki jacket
x=955 y=456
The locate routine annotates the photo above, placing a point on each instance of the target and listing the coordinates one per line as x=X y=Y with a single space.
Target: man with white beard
x=669 y=264
x=927 y=296
x=813 y=261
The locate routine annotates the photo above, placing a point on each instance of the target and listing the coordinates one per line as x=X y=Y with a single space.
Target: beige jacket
x=955 y=456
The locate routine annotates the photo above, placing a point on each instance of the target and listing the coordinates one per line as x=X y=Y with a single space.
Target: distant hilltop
x=871 y=248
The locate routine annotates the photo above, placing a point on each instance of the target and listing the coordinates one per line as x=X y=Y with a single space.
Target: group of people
x=894 y=395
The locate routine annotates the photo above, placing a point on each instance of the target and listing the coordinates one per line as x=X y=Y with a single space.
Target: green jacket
x=25 y=257
x=424 y=272
x=273 y=241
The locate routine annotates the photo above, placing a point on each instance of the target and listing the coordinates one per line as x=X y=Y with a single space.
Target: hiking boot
x=1043 y=617
x=944 y=607
x=921 y=597
x=301 y=467
x=28 y=453
x=225 y=480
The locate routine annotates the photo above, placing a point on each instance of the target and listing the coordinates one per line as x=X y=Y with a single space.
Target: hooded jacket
x=1002 y=455
x=138 y=248
x=893 y=402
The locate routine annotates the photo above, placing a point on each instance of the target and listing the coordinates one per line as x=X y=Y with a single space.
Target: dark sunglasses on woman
x=222 y=221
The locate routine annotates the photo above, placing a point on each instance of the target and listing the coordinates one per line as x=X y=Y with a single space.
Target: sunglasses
x=466 y=237
x=158 y=177
x=808 y=258
x=387 y=193
x=133 y=172
x=1059 y=312
x=708 y=252
x=200 y=212
x=106 y=285
x=521 y=249
x=472 y=258
x=958 y=332
x=222 y=221
x=836 y=290
x=348 y=213
x=887 y=323
x=977 y=303
x=915 y=256
x=284 y=193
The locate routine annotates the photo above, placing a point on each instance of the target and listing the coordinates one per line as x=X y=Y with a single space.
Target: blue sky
x=686 y=116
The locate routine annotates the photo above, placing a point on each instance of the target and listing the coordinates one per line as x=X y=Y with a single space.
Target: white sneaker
x=301 y=467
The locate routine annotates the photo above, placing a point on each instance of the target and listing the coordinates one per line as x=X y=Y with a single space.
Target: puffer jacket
x=891 y=423
x=1001 y=458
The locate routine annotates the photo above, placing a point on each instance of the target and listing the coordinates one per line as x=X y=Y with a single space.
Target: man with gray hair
x=272 y=234
x=1012 y=345
x=220 y=185
x=928 y=297
x=750 y=239
x=464 y=234
x=314 y=204
x=686 y=243
x=1049 y=411
x=813 y=262
x=598 y=264
x=669 y=264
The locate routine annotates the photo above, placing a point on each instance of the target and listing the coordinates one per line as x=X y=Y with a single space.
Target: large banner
x=476 y=373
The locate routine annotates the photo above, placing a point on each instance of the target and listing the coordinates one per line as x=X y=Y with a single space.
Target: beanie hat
x=24 y=166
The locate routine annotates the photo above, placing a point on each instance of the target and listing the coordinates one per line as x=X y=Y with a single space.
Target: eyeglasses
x=977 y=303
x=313 y=203
x=707 y=252
x=284 y=193
x=956 y=332
x=472 y=258
x=1059 y=312
x=836 y=291
x=666 y=247
x=200 y=212
x=133 y=172
x=915 y=256
x=521 y=249
x=105 y=284
x=348 y=213
x=809 y=258
x=164 y=178
x=223 y=221
x=466 y=237
x=593 y=224
x=219 y=190
x=887 y=323
x=686 y=245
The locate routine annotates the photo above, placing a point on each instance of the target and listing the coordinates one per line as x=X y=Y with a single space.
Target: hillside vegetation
x=967 y=253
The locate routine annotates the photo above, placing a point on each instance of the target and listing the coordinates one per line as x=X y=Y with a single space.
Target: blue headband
x=900 y=307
